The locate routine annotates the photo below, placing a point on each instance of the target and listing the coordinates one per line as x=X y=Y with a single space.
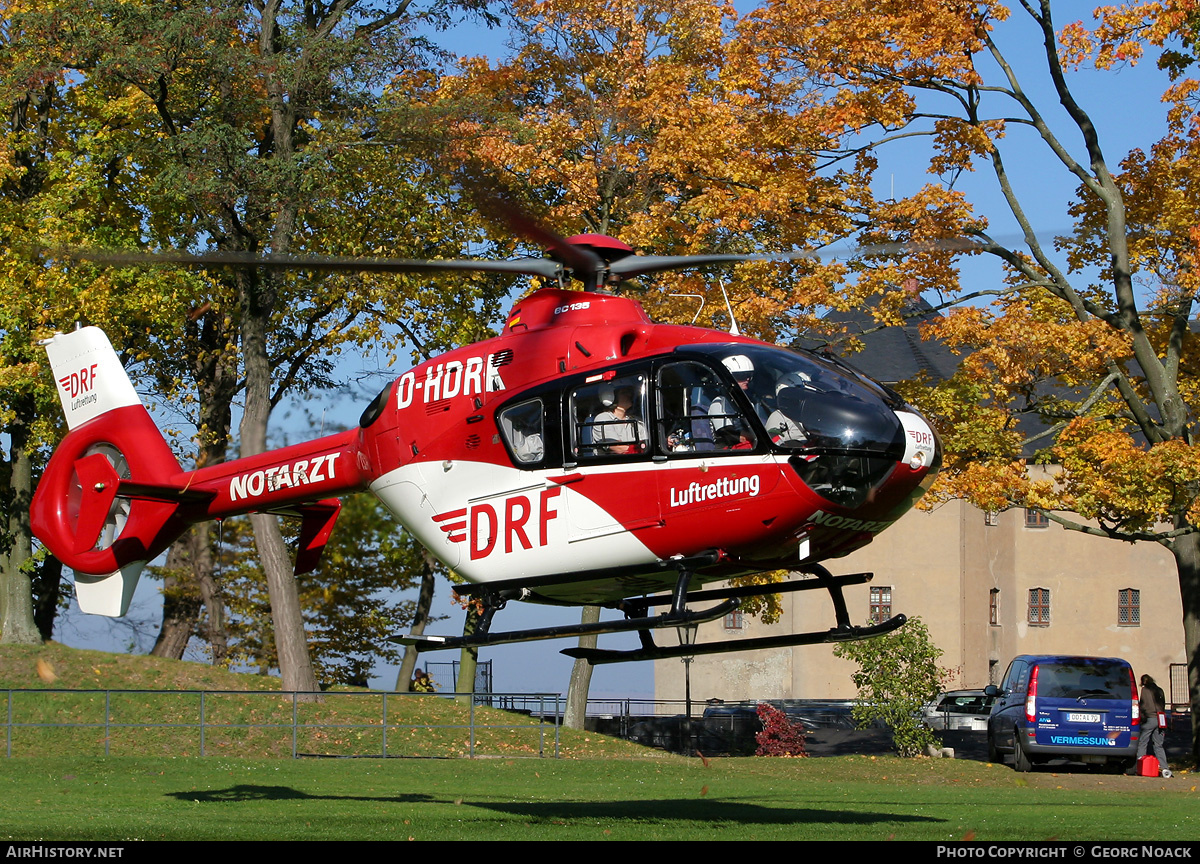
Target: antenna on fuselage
x=733 y=328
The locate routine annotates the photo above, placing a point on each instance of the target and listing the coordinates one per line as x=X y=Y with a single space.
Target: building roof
x=892 y=354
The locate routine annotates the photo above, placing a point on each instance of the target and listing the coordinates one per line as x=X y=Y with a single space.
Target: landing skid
x=598 y=656
x=642 y=624
x=638 y=619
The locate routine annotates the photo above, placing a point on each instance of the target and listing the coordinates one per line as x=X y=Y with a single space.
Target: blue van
x=1059 y=707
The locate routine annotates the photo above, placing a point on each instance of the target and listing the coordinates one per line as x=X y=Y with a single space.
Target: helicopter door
x=714 y=451
x=608 y=450
x=698 y=414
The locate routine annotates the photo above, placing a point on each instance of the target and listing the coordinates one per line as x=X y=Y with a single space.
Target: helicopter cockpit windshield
x=842 y=427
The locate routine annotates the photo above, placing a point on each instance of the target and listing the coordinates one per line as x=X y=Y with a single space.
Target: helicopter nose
x=855 y=444
x=843 y=422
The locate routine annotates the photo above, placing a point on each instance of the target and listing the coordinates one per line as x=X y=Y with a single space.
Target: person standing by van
x=1153 y=709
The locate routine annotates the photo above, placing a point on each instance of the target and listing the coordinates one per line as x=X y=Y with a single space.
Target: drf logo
x=483 y=523
x=79 y=382
x=922 y=439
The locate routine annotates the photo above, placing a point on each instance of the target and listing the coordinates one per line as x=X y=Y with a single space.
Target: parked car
x=958 y=709
x=1079 y=708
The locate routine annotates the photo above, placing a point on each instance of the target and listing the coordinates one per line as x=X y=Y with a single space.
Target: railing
x=273 y=723
x=622 y=709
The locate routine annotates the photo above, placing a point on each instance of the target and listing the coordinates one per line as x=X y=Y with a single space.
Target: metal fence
x=273 y=723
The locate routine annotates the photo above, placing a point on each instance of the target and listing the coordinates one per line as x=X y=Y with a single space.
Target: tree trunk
x=189 y=587
x=420 y=616
x=1186 y=550
x=49 y=589
x=291 y=644
x=181 y=612
x=216 y=629
x=581 y=675
x=17 y=626
x=181 y=605
x=469 y=658
x=214 y=368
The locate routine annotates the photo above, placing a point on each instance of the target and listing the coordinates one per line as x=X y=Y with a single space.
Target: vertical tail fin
x=91 y=380
x=105 y=539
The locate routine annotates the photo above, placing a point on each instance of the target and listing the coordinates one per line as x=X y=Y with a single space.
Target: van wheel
x=1021 y=761
x=993 y=751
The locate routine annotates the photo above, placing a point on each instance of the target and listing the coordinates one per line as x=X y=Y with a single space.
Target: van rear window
x=1073 y=680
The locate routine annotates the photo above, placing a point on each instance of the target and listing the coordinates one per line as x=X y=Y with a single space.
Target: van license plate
x=1083 y=718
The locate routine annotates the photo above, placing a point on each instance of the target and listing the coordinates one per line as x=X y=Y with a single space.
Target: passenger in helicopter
x=722 y=411
x=617 y=429
x=522 y=426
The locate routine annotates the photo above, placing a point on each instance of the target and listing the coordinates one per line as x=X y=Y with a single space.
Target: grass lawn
x=59 y=786
x=843 y=798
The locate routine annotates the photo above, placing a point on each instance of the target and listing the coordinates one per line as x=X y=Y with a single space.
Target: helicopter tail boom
x=114 y=496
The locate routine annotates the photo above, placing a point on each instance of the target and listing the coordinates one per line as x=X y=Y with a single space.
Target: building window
x=1129 y=607
x=1039 y=606
x=1036 y=518
x=994 y=607
x=881 y=604
x=733 y=621
x=991 y=517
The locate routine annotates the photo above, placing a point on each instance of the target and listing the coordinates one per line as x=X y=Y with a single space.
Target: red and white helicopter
x=587 y=455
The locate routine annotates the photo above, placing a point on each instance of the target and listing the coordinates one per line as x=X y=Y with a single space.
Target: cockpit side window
x=697 y=412
x=607 y=419
x=807 y=404
x=522 y=426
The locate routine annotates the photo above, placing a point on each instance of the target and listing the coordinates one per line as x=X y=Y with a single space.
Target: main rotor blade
x=635 y=265
x=528 y=266
x=580 y=261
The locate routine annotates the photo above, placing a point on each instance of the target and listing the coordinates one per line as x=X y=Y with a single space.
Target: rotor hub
x=609 y=248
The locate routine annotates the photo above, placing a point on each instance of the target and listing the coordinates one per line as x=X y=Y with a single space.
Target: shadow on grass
x=687 y=810
x=691 y=810
x=244 y=793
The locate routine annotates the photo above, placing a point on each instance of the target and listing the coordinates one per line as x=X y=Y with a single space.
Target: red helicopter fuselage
x=570 y=459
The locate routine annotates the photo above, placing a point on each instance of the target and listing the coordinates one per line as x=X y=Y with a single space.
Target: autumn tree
x=1087 y=353
x=261 y=120
x=655 y=121
x=351 y=603
x=64 y=179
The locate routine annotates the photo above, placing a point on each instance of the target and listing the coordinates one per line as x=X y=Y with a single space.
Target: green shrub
x=897 y=673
